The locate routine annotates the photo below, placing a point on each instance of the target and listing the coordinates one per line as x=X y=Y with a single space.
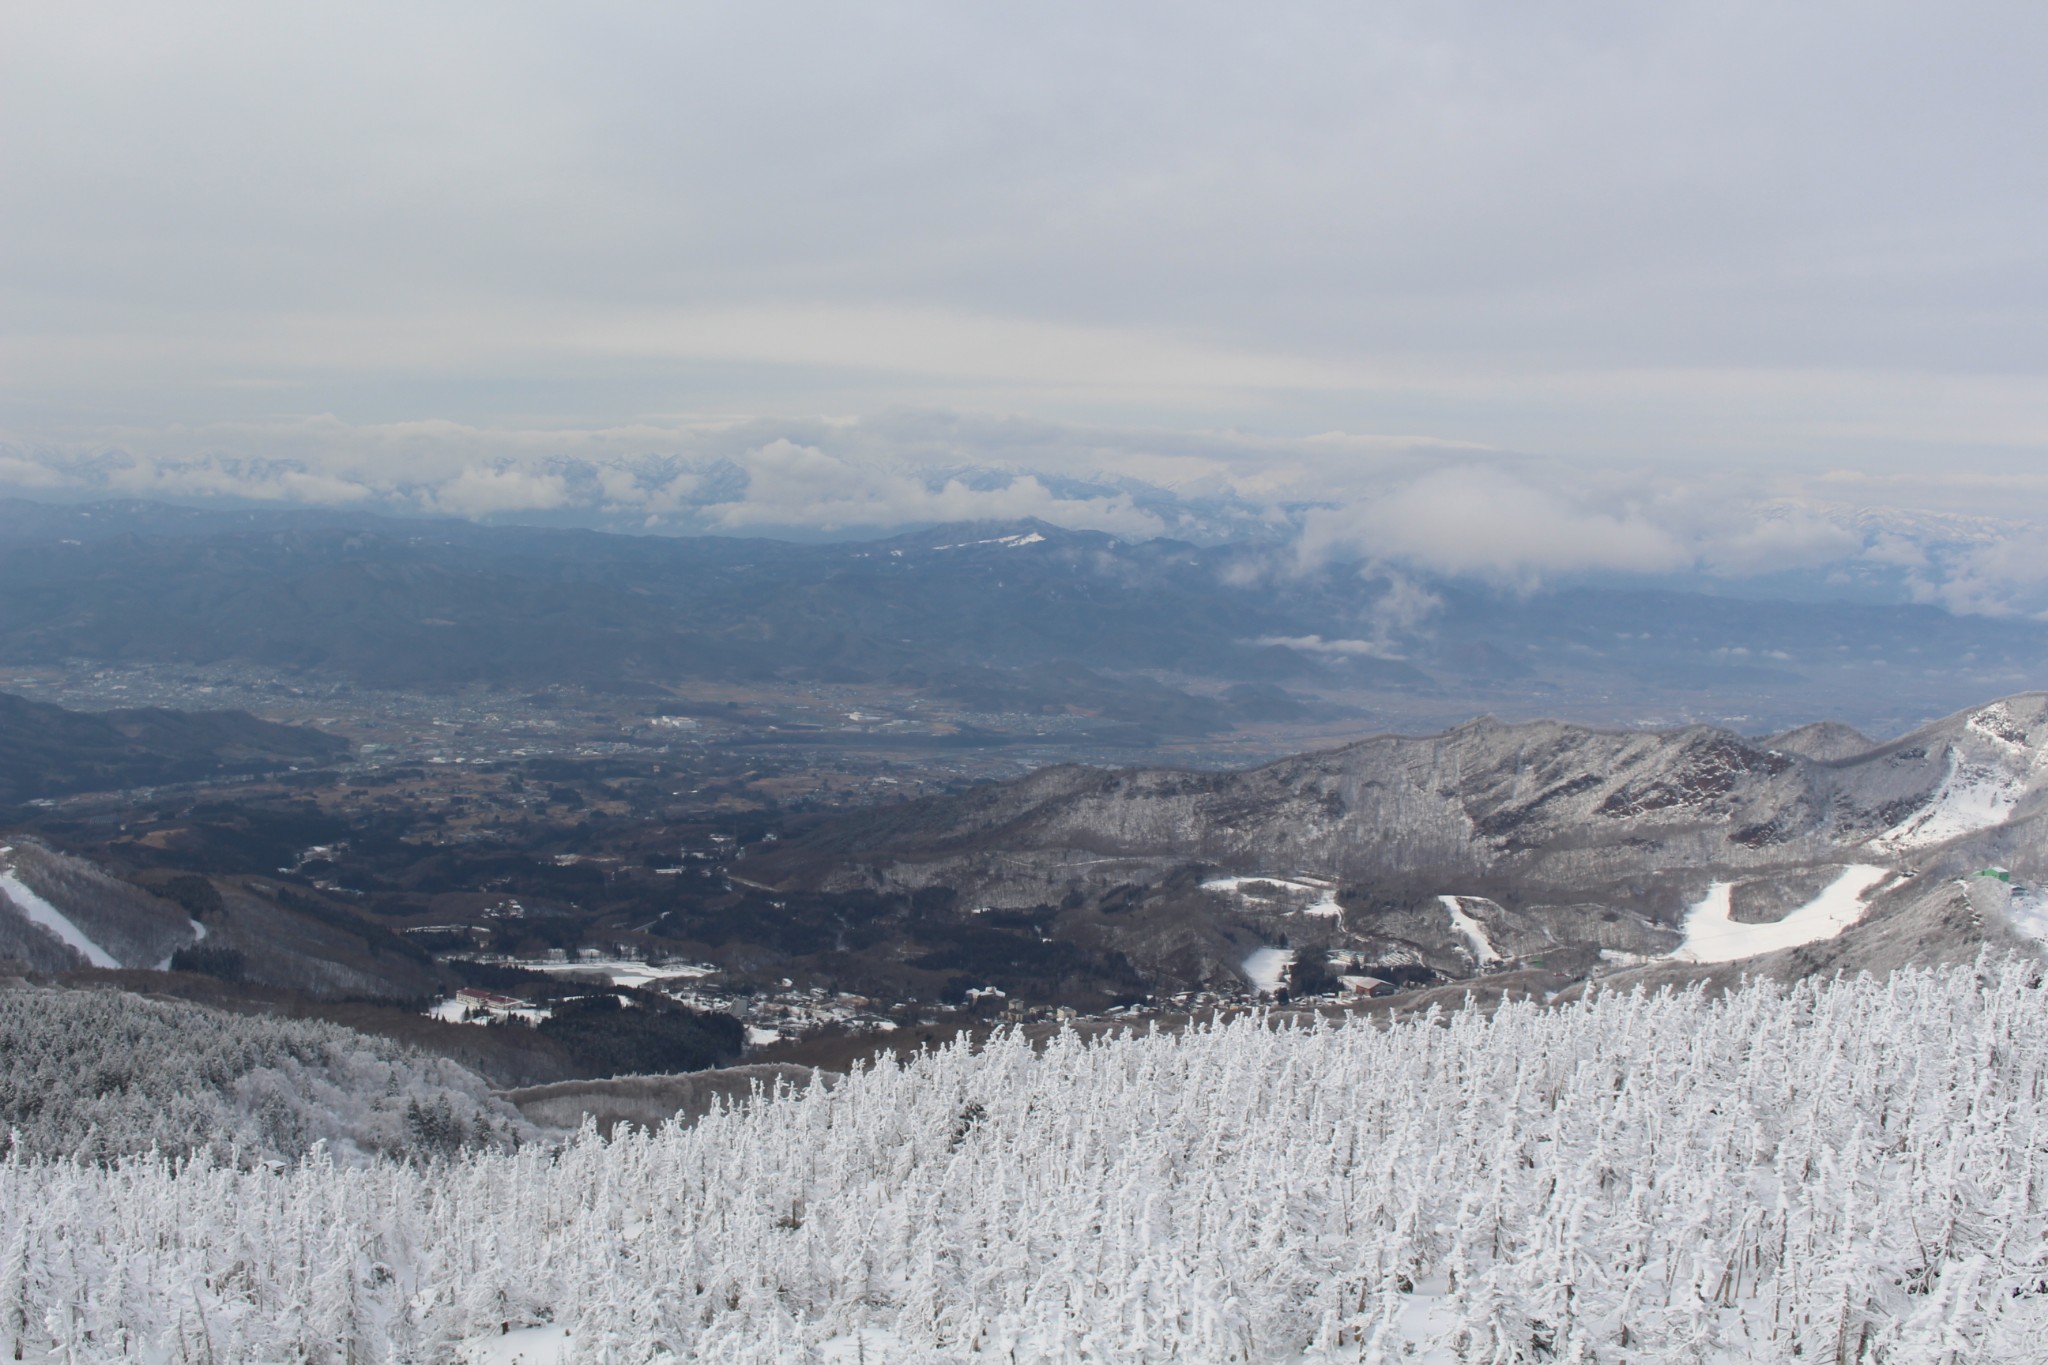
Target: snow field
x=1267 y=968
x=1712 y=934
x=1300 y=894
x=1471 y=930
x=1839 y=1170
x=2027 y=912
x=50 y=917
x=449 y=1010
x=1974 y=795
x=623 y=972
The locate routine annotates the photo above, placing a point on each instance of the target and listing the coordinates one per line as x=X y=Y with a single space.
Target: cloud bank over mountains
x=1392 y=503
x=1761 y=281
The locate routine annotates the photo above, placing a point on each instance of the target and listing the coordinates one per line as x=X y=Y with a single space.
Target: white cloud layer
x=1480 y=519
x=1402 y=509
x=794 y=485
x=479 y=491
x=1760 y=281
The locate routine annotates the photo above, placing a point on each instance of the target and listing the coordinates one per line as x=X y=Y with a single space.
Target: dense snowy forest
x=96 y=1075
x=1846 y=1170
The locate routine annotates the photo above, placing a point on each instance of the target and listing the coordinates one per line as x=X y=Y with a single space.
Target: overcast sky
x=1795 y=249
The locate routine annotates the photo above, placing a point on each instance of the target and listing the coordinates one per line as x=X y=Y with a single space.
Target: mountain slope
x=1772 y=1174
x=179 y=1080
x=58 y=913
x=46 y=750
x=433 y=603
x=1488 y=842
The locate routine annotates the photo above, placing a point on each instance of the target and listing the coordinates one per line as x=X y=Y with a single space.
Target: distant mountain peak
x=1824 y=740
x=954 y=535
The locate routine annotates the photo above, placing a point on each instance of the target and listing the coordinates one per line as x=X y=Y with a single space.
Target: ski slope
x=1266 y=968
x=1712 y=934
x=1471 y=930
x=1991 y=766
x=1300 y=894
x=50 y=917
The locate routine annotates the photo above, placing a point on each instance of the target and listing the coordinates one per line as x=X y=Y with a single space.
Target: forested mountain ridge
x=47 y=750
x=1550 y=803
x=979 y=607
x=98 y=1075
x=1564 y=837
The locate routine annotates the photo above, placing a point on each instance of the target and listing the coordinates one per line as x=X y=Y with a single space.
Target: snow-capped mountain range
x=1495 y=845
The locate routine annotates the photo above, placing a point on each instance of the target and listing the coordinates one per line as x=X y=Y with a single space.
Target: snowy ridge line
x=50 y=917
x=1839 y=1169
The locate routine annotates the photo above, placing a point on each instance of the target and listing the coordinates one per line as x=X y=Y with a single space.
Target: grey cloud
x=480 y=491
x=1667 y=230
x=795 y=485
x=1783 y=538
x=1405 y=509
x=1479 y=519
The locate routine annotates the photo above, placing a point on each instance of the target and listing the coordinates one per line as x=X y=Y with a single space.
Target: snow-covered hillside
x=96 y=1075
x=1487 y=847
x=59 y=912
x=1835 y=1171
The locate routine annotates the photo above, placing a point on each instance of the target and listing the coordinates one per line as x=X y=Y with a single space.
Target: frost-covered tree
x=98 y=1075
x=1832 y=1171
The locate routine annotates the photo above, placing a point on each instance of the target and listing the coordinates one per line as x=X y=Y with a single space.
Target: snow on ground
x=866 y=1347
x=198 y=936
x=1235 y=885
x=2028 y=912
x=525 y=1346
x=1473 y=931
x=1325 y=904
x=1773 y=1174
x=1014 y=542
x=1973 y=796
x=1267 y=968
x=1319 y=893
x=51 y=918
x=624 y=971
x=452 y=1011
x=1713 y=935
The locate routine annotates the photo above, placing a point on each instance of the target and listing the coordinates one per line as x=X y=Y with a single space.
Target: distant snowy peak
x=1014 y=542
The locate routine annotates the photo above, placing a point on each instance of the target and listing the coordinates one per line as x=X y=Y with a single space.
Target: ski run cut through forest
x=1845 y=1170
